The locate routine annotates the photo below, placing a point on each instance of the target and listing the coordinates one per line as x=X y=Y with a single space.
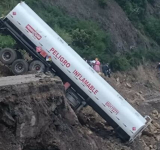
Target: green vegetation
x=134 y=58
x=87 y=37
x=136 y=12
x=102 y=3
x=135 y=9
x=6 y=41
x=152 y=27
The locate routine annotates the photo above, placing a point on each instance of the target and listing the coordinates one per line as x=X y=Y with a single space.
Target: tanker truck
x=82 y=84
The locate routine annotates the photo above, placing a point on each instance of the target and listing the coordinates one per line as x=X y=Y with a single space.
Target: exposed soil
x=35 y=114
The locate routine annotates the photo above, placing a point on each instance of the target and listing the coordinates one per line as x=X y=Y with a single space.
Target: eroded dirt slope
x=35 y=115
x=141 y=88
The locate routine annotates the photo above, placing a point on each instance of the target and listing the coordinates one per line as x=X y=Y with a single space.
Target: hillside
x=122 y=32
x=35 y=119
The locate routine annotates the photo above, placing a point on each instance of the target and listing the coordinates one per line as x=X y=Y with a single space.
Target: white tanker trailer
x=83 y=85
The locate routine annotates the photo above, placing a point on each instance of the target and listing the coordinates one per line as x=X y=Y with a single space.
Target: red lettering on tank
x=91 y=88
x=52 y=49
x=85 y=81
x=60 y=57
x=65 y=61
x=96 y=92
x=55 y=52
x=33 y=31
x=89 y=85
x=80 y=78
x=76 y=72
x=112 y=108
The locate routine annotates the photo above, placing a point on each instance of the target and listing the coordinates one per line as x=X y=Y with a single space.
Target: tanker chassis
x=82 y=84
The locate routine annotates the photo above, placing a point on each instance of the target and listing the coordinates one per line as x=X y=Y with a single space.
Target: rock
x=148 y=133
x=158 y=138
x=156 y=125
x=33 y=121
x=137 y=93
x=109 y=128
x=151 y=146
x=117 y=79
x=152 y=128
x=155 y=112
x=128 y=85
x=155 y=147
x=146 y=148
x=99 y=125
x=142 y=98
x=137 y=103
x=140 y=92
x=133 y=79
x=89 y=132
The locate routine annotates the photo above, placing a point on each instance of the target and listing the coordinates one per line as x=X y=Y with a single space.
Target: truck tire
x=37 y=66
x=19 y=67
x=7 y=56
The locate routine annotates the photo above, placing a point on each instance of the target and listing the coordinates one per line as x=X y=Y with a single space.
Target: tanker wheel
x=19 y=67
x=37 y=66
x=7 y=56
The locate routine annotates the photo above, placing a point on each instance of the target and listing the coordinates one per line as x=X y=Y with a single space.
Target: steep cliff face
x=124 y=35
x=35 y=115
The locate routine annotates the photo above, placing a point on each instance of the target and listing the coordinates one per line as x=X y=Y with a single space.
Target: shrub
x=6 y=41
x=152 y=26
x=102 y=3
x=120 y=63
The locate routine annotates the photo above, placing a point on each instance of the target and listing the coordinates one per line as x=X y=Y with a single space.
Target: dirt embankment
x=141 y=88
x=35 y=114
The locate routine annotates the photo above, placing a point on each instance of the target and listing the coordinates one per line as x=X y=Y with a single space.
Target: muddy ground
x=35 y=114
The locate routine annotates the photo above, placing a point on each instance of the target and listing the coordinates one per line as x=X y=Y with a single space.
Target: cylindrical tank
x=109 y=100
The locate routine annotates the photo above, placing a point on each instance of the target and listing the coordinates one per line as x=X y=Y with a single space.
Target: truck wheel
x=7 y=56
x=37 y=66
x=19 y=66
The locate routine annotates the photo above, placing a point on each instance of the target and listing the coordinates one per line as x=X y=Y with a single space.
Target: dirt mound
x=4 y=71
x=35 y=115
x=141 y=88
